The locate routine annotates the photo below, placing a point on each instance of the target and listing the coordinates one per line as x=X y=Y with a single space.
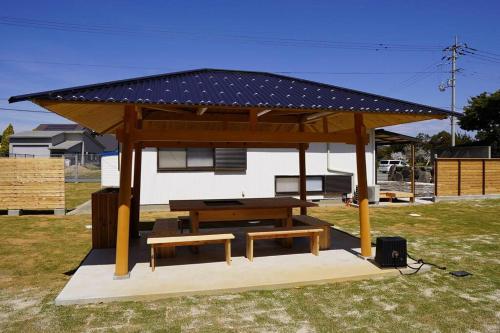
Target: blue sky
x=56 y=44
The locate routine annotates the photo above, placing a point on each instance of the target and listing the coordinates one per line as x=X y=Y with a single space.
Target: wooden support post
x=136 y=195
x=122 y=237
x=412 y=199
x=302 y=173
x=136 y=189
x=459 y=180
x=364 y=219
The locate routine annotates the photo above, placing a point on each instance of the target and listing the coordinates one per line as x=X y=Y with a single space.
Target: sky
x=392 y=48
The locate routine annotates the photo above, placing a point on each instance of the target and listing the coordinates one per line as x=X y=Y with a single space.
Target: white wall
x=258 y=180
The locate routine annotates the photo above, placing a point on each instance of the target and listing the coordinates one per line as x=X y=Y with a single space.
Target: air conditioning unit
x=374 y=194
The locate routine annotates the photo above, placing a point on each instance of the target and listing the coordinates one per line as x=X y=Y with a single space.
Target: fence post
x=459 y=185
x=435 y=177
x=76 y=168
x=484 y=176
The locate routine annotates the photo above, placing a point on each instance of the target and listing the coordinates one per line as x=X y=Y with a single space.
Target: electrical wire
x=272 y=41
x=24 y=110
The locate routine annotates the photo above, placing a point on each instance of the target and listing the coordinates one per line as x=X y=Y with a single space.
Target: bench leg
x=153 y=258
x=315 y=244
x=250 y=248
x=228 y=251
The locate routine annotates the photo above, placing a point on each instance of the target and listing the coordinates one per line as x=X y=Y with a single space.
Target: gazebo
x=226 y=108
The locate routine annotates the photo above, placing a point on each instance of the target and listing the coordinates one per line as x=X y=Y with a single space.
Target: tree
x=483 y=115
x=4 y=147
x=442 y=140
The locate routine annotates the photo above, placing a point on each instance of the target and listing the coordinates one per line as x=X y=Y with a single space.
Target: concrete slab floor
x=207 y=272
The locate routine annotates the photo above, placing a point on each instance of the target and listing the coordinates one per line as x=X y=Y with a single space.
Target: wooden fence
x=466 y=176
x=104 y=218
x=32 y=183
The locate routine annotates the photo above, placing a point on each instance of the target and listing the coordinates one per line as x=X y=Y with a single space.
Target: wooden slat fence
x=104 y=218
x=31 y=183
x=466 y=176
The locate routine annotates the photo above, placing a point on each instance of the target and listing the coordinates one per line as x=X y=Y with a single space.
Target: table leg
x=195 y=228
x=153 y=258
x=228 y=251
x=288 y=223
x=250 y=248
x=315 y=244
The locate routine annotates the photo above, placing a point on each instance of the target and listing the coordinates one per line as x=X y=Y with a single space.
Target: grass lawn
x=78 y=193
x=36 y=251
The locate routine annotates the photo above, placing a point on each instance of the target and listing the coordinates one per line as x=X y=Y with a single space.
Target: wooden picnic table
x=222 y=210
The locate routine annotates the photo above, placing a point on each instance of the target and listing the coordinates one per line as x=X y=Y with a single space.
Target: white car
x=385 y=165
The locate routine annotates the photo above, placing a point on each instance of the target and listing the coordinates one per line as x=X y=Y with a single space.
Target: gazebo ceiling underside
x=108 y=117
x=231 y=101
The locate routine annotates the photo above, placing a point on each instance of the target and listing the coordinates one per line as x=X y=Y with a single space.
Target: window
x=206 y=159
x=200 y=158
x=290 y=184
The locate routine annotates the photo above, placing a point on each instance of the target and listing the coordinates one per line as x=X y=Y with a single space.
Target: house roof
x=59 y=127
x=65 y=145
x=233 y=88
x=35 y=134
x=108 y=141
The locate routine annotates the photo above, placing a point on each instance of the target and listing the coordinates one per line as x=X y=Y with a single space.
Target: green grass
x=78 y=193
x=36 y=251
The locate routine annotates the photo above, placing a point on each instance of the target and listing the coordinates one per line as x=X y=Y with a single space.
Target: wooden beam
x=155 y=115
x=302 y=173
x=201 y=111
x=325 y=125
x=122 y=237
x=263 y=112
x=190 y=144
x=244 y=136
x=253 y=119
x=364 y=218
x=315 y=116
x=113 y=127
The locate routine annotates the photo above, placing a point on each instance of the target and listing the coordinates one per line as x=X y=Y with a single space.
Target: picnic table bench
x=163 y=237
x=325 y=238
x=275 y=233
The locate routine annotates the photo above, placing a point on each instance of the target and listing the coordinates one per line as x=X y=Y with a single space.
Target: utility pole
x=453 y=52
x=453 y=85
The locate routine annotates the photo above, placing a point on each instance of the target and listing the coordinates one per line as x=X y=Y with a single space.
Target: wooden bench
x=325 y=238
x=391 y=195
x=312 y=233
x=158 y=240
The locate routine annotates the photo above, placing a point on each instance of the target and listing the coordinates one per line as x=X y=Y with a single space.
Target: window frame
x=187 y=168
x=276 y=177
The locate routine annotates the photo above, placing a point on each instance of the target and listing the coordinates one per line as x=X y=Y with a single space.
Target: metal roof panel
x=216 y=87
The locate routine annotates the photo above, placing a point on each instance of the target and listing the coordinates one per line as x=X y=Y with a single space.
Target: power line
x=270 y=41
x=170 y=68
x=24 y=110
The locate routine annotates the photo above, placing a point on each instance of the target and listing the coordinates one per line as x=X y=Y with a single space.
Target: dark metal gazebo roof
x=384 y=137
x=233 y=88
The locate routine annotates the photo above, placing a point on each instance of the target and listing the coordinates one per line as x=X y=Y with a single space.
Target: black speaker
x=391 y=252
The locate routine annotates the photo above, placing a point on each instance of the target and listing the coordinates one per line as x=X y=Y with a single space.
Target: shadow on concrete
x=140 y=253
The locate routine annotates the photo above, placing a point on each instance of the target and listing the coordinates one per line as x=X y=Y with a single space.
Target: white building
x=198 y=173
